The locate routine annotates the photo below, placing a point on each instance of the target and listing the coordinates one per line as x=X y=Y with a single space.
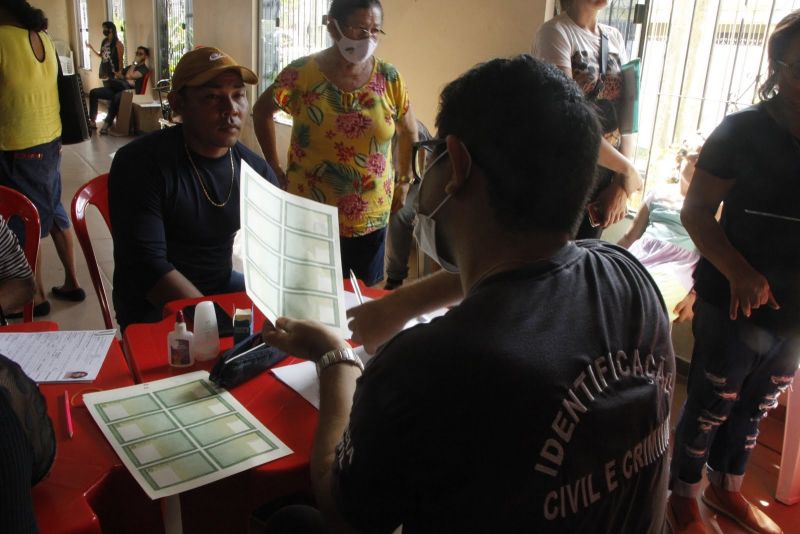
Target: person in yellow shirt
x=346 y=105
x=30 y=133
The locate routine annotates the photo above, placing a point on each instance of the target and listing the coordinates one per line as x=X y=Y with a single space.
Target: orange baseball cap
x=203 y=64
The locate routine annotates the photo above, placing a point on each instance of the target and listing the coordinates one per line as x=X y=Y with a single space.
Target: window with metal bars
x=702 y=60
x=83 y=35
x=175 y=35
x=289 y=29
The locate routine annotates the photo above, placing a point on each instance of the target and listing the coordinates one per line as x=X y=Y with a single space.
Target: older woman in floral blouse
x=345 y=105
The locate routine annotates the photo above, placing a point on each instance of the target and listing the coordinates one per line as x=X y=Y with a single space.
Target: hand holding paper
x=304 y=339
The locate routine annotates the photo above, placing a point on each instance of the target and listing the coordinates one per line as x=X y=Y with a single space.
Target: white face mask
x=355 y=51
x=425 y=227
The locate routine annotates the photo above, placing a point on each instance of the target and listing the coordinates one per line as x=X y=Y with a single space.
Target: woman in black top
x=747 y=314
x=111 y=52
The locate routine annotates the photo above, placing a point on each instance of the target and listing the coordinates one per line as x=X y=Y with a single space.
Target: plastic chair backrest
x=94 y=192
x=143 y=89
x=12 y=203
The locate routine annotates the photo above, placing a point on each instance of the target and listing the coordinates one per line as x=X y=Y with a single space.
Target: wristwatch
x=333 y=357
x=405 y=180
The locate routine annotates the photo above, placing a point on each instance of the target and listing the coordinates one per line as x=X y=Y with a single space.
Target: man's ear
x=461 y=162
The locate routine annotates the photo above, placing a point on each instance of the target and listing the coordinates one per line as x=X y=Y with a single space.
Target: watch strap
x=333 y=357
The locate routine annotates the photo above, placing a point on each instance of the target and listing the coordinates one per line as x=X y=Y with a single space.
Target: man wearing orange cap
x=174 y=194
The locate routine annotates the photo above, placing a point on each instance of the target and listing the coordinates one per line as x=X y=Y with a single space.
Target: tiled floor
x=84 y=161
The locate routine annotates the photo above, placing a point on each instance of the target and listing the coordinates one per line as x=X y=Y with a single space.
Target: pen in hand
x=356 y=288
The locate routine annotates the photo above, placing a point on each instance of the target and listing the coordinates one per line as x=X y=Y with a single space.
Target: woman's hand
x=750 y=290
x=685 y=308
x=612 y=203
x=305 y=339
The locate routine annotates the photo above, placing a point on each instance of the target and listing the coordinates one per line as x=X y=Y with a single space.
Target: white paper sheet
x=181 y=433
x=291 y=261
x=66 y=356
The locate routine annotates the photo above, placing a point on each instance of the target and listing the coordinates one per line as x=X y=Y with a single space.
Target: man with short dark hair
x=174 y=194
x=541 y=402
x=131 y=77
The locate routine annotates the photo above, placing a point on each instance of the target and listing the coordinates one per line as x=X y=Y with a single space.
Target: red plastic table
x=290 y=417
x=88 y=489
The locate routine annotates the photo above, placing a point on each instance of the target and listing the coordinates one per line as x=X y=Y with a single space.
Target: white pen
x=773 y=215
x=356 y=289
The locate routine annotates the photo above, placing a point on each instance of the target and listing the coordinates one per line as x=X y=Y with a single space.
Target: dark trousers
x=737 y=372
x=364 y=255
x=111 y=91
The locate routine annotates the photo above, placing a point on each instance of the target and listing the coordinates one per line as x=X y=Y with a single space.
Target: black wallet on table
x=244 y=361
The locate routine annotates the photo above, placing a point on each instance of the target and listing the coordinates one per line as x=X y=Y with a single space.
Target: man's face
x=213 y=114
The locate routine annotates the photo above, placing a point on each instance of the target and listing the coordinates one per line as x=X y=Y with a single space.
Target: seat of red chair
x=145 y=83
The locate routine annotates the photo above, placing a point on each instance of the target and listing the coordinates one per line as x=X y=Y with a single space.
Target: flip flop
x=75 y=295
x=43 y=308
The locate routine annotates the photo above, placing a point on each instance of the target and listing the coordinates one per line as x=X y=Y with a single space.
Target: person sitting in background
x=131 y=77
x=401 y=224
x=174 y=194
x=16 y=277
x=657 y=237
x=526 y=407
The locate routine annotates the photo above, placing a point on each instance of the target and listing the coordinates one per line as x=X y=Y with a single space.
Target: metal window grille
x=703 y=59
x=175 y=35
x=83 y=35
x=289 y=29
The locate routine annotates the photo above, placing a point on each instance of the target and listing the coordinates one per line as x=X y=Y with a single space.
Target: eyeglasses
x=427 y=147
x=366 y=33
x=793 y=68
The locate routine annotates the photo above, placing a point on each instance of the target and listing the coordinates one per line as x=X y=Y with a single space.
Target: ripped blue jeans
x=737 y=372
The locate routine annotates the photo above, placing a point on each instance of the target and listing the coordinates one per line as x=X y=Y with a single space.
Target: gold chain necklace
x=203 y=186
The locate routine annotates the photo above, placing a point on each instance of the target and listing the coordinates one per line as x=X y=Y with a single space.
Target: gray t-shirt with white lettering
x=539 y=404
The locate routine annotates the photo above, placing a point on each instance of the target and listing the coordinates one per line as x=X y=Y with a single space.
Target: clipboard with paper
x=628 y=109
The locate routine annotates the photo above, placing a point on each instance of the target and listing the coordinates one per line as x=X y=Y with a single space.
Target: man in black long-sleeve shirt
x=174 y=194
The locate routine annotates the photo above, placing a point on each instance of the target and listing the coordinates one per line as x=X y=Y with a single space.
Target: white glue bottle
x=206 y=335
x=179 y=344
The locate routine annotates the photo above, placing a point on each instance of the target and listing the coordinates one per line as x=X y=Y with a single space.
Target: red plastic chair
x=94 y=192
x=145 y=83
x=12 y=203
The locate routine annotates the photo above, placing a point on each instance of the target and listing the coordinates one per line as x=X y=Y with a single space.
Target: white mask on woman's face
x=355 y=51
x=425 y=227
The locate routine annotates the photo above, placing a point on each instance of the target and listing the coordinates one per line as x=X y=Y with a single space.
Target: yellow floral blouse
x=340 y=151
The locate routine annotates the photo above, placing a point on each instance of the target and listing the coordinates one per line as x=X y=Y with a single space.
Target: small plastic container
x=206 y=334
x=179 y=344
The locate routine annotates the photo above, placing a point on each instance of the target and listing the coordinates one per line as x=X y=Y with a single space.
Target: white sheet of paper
x=290 y=247
x=196 y=448
x=58 y=356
